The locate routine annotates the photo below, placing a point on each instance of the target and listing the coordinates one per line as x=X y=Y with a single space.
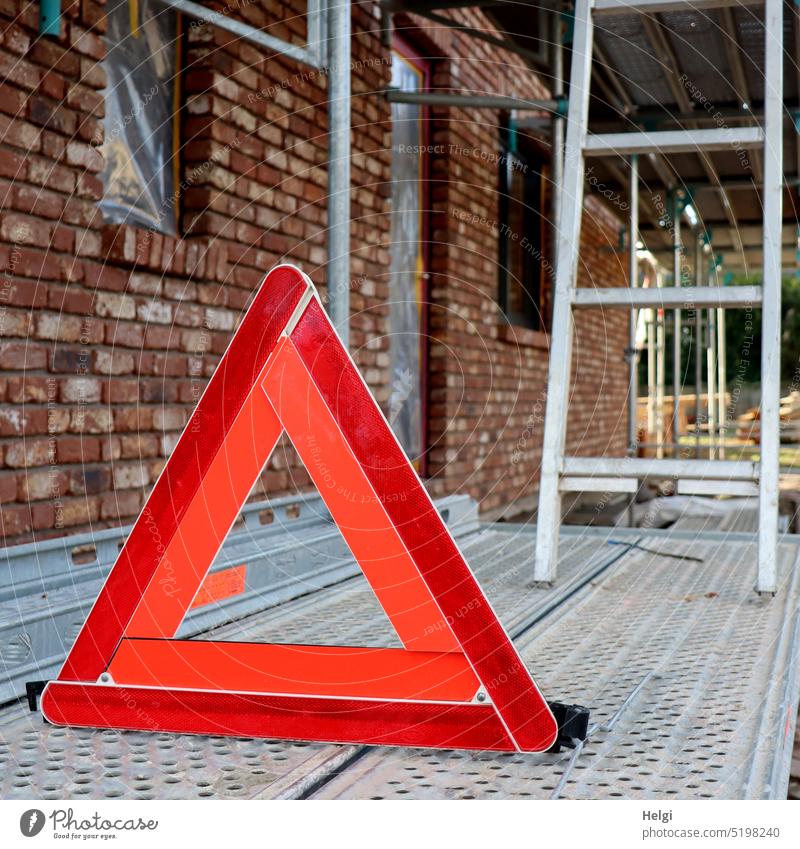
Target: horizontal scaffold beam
x=470 y=101
x=643 y=467
x=673 y=297
x=674 y=141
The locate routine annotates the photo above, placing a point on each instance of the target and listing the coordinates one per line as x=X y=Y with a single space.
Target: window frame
x=536 y=284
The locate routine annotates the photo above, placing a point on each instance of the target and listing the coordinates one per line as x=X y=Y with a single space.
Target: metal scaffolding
x=678 y=133
x=671 y=143
x=560 y=472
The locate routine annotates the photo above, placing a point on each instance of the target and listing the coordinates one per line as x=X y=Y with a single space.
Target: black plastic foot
x=34 y=689
x=573 y=725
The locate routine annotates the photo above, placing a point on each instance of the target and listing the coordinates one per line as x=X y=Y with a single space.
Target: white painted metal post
x=698 y=346
x=661 y=350
x=651 y=374
x=339 y=167
x=633 y=283
x=722 y=413
x=558 y=381
x=711 y=367
x=557 y=153
x=677 y=266
x=772 y=202
x=633 y=356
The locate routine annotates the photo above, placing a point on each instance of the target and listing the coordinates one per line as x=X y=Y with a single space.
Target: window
x=408 y=257
x=525 y=270
x=140 y=99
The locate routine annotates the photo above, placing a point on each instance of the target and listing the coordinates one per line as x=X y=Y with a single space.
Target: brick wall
x=108 y=333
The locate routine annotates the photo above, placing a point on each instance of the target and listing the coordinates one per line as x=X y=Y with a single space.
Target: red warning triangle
x=457 y=683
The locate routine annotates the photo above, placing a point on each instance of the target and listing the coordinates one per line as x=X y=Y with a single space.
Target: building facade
x=138 y=220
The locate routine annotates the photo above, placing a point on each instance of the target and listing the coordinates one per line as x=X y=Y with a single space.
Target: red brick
x=26 y=453
x=43 y=517
x=22 y=356
x=12 y=165
x=42 y=484
x=8 y=487
x=24 y=230
x=14 y=520
x=84 y=155
x=28 y=388
x=73 y=449
x=89 y=480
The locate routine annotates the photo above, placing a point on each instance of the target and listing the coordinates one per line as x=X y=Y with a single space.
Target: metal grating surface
x=693 y=663
x=500 y=559
x=625 y=43
x=698 y=40
x=744 y=520
x=41 y=761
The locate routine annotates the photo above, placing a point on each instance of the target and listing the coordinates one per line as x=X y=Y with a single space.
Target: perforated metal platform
x=687 y=674
x=694 y=662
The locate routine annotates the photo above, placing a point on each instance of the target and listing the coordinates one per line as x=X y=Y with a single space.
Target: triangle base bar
x=344 y=671
x=332 y=720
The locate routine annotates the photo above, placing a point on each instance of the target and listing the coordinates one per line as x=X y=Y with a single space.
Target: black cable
x=659 y=553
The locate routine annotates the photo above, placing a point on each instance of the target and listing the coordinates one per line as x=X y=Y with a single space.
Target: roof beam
x=796 y=25
x=731 y=41
x=669 y=62
x=419 y=6
x=659 y=164
x=628 y=7
x=647 y=206
x=502 y=43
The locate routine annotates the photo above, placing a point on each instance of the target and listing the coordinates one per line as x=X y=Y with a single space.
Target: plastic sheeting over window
x=141 y=67
x=406 y=267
